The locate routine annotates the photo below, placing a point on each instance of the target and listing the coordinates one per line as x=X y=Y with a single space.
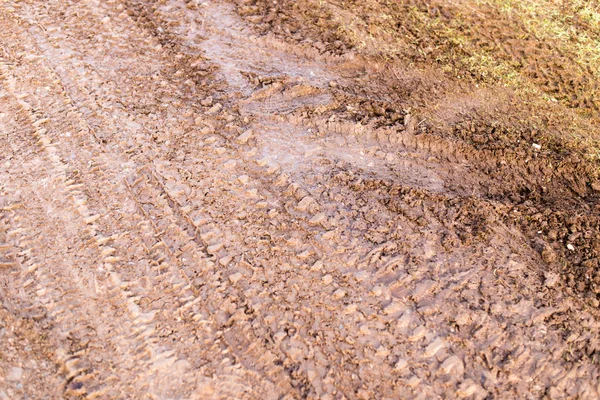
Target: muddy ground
x=255 y=199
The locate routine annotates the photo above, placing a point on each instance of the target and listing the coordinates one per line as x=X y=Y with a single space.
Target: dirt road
x=193 y=209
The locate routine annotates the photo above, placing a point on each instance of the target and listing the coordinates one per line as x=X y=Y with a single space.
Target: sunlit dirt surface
x=263 y=200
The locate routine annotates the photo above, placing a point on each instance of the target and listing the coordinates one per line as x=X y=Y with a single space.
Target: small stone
x=463 y=319
x=536 y=146
x=91 y=219
x=243 y=179
x=393 y=308
x=383 y=351
x=405 y=320
x=377 y=291
x=570 y=247
x=207 y=102
x=338 y=294
x=245 y=137
x=548 y=254
x=215 y=109
x=327 y=279
x=418 y=333
x=453 y=364
x=207 y=130
x=263 y=162
x=305 y=254
x=317 y=266
x=437 y=345
x=224 y=261
x=220 y=151
x=15 y=374
x=279 y=336
x=413 y=381
x=234 y=278
x=252 y=193
x=304 y=204
x=262 y=205
x=350 y=309
x=551 y=279
x=401 y=364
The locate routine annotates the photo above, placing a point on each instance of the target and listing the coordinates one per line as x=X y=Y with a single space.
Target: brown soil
x=297 y=199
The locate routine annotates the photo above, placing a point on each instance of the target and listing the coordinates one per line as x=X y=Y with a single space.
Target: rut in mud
x=234 y=200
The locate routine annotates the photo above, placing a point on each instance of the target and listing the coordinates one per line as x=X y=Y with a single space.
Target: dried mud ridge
x=192 y=208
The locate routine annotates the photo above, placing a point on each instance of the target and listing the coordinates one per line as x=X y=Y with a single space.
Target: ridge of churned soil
x=314 y=199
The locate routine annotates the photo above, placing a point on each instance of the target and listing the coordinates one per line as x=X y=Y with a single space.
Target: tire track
x=77 y=369
x=131 y=306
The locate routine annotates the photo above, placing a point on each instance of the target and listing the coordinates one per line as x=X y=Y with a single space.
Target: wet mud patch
x=519 y=103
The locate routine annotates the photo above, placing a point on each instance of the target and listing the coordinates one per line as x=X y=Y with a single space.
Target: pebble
x=245 y=137
x=224 y=261
x=437 y=345
x=394 y=307
x=377 y=291
x=418 y=333
x=462 y=319
x=350 y=309
x=383 y=351
x=405 y=320
x=551 y=279
x=317 y=266
x=305 y=203
x=401 y=364
x=207 y=102
x=413 y=381
x=327 y=279
x=453 y=364
x=234 y=278
x=215 y=109
x=243 y=179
